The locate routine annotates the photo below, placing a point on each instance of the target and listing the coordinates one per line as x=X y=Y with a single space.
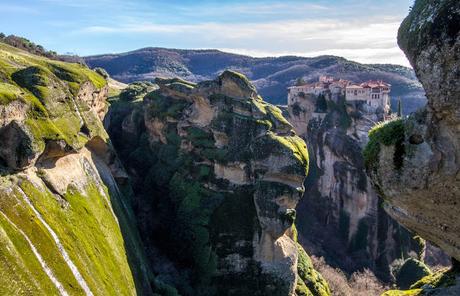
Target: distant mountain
x=271 y=75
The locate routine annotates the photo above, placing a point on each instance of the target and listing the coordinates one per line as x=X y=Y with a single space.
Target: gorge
x=195 y=184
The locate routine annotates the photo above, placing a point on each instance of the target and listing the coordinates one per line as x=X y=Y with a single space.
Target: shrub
x=362 y=283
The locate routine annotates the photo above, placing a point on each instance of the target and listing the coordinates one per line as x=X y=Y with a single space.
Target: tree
x=321 y=103
x=2 y=36
x=300 y=81
x=400 y=114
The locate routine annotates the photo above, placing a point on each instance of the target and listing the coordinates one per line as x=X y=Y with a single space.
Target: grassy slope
x=46 y=87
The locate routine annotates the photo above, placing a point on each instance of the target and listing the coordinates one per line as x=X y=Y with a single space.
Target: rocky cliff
x=66 y=226
x=414 y=162
x=217 y=174
x=341 y=217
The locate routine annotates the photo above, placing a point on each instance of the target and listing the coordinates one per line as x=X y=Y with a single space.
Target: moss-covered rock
x=66 y=224
x=413 y=162
x=389 y=133
x=310 y=282
x=444 y=282
x=410 y=272
x=225 y=171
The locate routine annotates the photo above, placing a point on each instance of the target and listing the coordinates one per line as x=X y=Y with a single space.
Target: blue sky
x=361 y=30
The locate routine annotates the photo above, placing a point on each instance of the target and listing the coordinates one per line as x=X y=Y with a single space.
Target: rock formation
x=66 y=224
x=217 y=173
x=414 y=162
x=341 y=217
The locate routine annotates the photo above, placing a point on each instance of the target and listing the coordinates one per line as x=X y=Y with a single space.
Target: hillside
x=270 y=75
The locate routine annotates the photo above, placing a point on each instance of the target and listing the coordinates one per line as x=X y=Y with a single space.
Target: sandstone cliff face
x=217 y=173
x=341 y=216
x=65 y=225
x=414 y=162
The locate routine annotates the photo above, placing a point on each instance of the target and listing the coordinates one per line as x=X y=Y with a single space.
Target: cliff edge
x=414 y=162
x=66 y=225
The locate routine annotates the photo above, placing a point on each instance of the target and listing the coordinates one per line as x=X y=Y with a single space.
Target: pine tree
x=400 y=108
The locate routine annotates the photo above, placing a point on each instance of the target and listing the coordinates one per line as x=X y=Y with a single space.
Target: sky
x=360 y=30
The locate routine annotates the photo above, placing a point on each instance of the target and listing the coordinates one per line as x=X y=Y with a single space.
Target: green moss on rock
x=413 y=292
x=440 y=279
x=390 y=133
x=190 y=180
x=432 y=283
x=310 y=282
x=8 y=93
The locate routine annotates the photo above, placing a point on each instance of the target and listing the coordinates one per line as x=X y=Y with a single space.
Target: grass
x=49 y=88
x=8 y=93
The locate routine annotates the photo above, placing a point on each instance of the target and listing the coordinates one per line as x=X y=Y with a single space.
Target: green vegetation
x=300 y=81
x=90 y=233
x=413 y=292
x=420 y=247
x=338 y=115
x=162 y=107
x=310 y=282
x=27 y=45
x=101 y=244
x=136 y=91
x=442 y=278
x=49 y=89
x=399 y=112
x=390 y=133
x=438 y=280
x=192 y=205
x=8 y=93
x=240 y=79
x=321 y=104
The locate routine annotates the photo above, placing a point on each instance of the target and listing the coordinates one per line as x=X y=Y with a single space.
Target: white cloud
x=368 y=40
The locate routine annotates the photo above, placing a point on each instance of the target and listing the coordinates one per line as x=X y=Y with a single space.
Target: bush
x=362 y=283
x=102 y=72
